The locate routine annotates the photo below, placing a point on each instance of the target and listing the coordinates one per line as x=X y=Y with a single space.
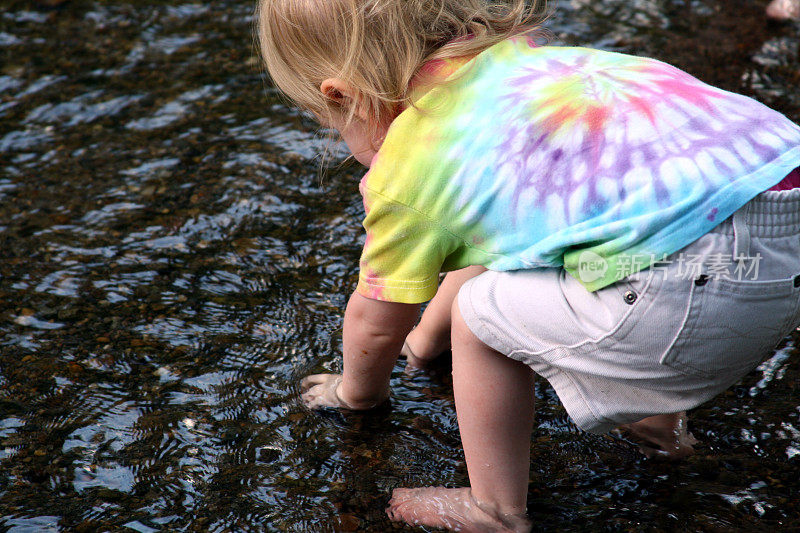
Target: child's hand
x=412 y=361
x=324 y=390
x=319 y=390
x=372 y=336
x=426 y=349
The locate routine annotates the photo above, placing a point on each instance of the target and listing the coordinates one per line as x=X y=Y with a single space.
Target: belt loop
x=741 y=233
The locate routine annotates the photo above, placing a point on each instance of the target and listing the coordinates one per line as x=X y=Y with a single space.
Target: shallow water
x=171 y=263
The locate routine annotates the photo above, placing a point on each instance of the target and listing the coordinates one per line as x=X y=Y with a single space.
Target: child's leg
x=431 y=337
x=495 y=405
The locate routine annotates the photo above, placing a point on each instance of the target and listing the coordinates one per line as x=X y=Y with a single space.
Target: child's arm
x=373 y=335
x=431 y=337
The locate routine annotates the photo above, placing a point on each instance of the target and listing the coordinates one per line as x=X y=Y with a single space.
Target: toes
x=402 y=506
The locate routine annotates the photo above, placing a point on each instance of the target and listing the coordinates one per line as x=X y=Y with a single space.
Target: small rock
x=348 y=522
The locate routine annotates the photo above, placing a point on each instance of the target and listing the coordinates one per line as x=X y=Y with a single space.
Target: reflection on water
x=173 y=261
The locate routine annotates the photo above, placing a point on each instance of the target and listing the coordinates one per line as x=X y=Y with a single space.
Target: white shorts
x=661 y=341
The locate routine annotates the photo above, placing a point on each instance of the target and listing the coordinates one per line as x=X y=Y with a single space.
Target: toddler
x=609 y=223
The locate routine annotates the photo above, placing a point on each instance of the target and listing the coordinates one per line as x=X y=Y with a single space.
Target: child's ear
x=336 y=89
x=342 y=93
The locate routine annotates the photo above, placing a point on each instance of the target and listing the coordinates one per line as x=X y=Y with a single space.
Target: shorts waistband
x=770 y=214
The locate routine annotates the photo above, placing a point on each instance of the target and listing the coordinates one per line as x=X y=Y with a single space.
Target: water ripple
x=174 y=261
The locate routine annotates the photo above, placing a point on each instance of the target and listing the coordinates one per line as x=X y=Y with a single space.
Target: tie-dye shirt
x=597 y=162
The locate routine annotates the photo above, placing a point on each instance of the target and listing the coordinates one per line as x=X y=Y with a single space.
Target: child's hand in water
x=324 y=390
x=421 y=350
x=426 y=342
x=319 y=390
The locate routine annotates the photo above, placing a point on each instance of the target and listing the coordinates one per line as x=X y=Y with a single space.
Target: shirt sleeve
x=403 y=253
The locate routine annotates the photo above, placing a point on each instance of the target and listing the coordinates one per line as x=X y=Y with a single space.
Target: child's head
x=374 y=46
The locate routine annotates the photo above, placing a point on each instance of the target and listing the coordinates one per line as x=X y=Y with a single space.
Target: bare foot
x=420 y=350
x=661 y=436
x=453 y=509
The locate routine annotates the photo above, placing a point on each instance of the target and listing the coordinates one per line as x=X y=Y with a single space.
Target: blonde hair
x=376 y=46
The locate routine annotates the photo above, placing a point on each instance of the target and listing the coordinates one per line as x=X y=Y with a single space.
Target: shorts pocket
x=730 y=326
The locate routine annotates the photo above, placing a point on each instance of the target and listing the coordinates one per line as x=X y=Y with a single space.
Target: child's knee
x=460 y=332
x=457 y=324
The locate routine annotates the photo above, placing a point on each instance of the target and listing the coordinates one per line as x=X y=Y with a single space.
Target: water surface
x=172 y=261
